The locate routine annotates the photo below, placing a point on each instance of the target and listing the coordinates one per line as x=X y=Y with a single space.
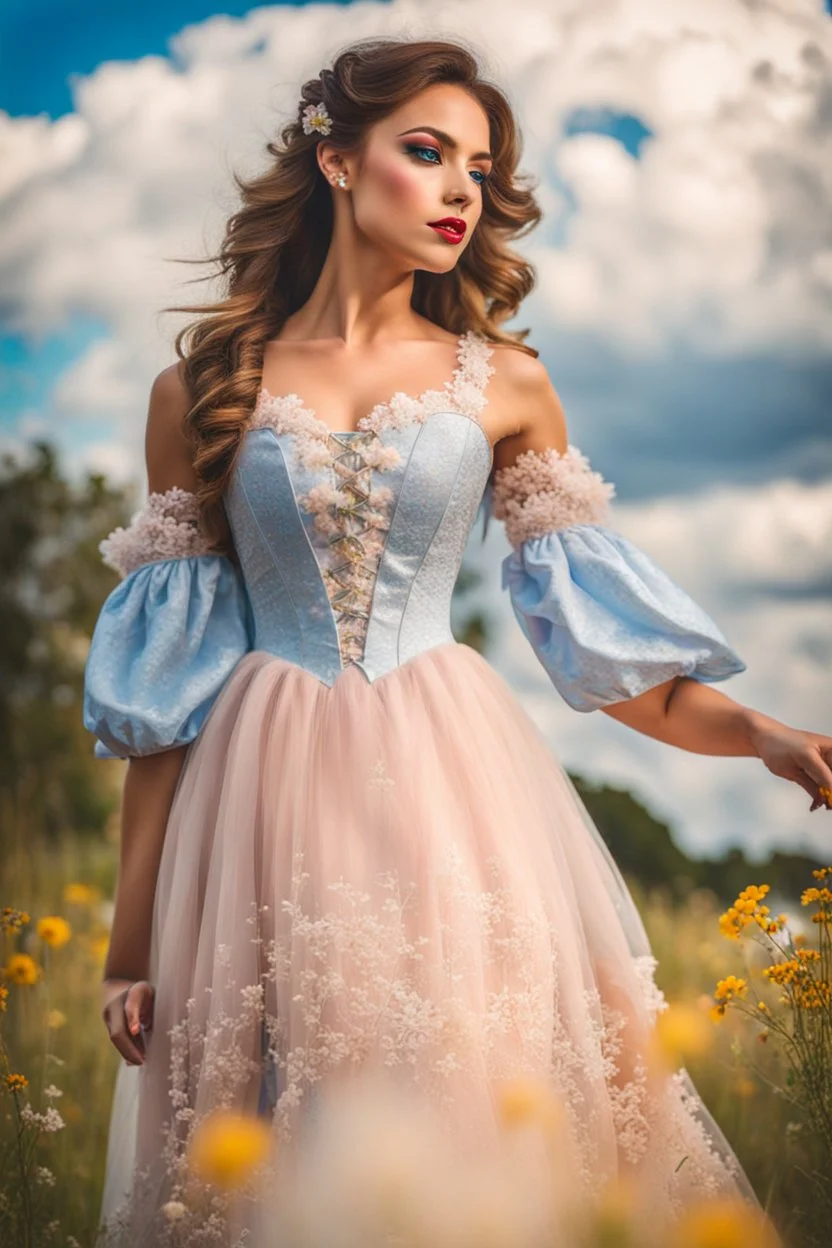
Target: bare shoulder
x=168 y=448
x=533 y=415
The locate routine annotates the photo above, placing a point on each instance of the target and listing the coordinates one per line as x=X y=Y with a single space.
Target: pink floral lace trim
x=464 y=393
x=166 y=527
x=544 y=490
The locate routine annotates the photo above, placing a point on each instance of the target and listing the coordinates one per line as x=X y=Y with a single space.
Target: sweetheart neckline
x=364 y=422
x=472 y=370
x=352 y=433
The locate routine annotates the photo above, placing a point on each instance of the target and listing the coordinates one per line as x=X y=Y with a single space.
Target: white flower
x=174 y=1210
x=316 y=118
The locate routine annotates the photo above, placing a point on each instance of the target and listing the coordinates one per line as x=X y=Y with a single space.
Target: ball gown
x=373 y=858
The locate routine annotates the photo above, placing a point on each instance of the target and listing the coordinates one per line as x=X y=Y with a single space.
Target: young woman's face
x=424 y=163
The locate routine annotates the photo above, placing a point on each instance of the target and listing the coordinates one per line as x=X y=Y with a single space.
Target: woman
x=345 y=845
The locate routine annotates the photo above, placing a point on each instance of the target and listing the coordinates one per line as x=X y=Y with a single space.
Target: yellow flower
x=21 y=969
x=746 y=909
x=4 y=997
x=681 y=1032
x=54 y=930
x=730 y=987
x=521 y=1101
x=723 y=1223
x=81 y=894
x=12 y=920
x=55 y=1019
x=227 y=1147
x=822 y=895
x=616 y=1211
x=16 y=1082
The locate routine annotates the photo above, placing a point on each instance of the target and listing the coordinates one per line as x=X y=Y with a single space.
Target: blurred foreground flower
x=682 y=1032
x=521 y=1102
x=54 y=931
x=226 y=1148
x=77 y=894
x=21 y=969
x=723 y=1224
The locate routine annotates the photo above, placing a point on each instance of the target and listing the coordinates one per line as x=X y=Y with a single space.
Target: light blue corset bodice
x=374 y=588
x=349 y=547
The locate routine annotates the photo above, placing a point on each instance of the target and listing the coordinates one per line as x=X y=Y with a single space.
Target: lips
x=451 y=228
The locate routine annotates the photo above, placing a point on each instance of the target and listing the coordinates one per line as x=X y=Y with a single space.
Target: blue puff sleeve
x=604 y=620
x=167 y=637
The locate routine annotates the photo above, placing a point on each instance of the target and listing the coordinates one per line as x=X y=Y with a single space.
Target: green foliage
x=52 y=584
x=644 y=849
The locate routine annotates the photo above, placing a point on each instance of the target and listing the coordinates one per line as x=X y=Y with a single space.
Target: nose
x=460 y=198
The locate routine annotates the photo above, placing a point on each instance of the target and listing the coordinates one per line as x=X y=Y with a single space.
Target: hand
x=804 y=757
x=127 y=1009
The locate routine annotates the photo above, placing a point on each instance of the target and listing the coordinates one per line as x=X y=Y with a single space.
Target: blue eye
x=416 y=148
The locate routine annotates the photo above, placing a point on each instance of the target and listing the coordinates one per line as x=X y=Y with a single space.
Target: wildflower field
x=749 y=1015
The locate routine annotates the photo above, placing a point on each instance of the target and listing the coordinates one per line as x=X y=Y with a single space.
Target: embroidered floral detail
x=544 y=490
x=655 y=1000
x=360 y=987
x=166 y=527
x=354 y=517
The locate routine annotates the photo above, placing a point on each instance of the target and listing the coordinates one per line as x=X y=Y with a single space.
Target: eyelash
x=413 y=148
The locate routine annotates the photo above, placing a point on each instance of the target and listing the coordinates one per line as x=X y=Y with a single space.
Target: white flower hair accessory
x=316 y=118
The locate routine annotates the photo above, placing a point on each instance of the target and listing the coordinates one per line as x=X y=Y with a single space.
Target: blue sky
x=683 y=306
x=43 y=44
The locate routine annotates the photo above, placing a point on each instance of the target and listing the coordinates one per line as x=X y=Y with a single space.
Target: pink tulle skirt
x=395 y=876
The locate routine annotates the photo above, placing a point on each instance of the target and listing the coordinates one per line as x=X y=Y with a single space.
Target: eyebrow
x=446 y=139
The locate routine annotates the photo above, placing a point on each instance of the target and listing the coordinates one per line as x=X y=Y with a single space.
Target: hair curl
x=275 y=245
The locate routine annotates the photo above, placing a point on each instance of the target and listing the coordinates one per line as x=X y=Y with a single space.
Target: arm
x=682 y=710
x=151 y=781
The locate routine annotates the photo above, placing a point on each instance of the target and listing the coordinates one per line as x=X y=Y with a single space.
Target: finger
x=805 y=781
x=820 y=794
x=146 y=1010
x=131 y=1011
x=816 y=766
x=126 y=1047
x=138 y=1012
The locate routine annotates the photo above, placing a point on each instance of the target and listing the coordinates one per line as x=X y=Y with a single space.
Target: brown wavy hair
x=275 y=245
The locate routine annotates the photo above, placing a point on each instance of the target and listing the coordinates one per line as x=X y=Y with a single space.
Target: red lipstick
x=451 y=228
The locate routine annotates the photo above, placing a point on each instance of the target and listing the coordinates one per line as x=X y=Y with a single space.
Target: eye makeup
x=413 y=149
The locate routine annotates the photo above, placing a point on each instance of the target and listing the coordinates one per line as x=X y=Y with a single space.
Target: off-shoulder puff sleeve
x=168 y=635
x=606 y=622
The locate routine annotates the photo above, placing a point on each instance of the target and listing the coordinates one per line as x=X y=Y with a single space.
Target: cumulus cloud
x=684 y=301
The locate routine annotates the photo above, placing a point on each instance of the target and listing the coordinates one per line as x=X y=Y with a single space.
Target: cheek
x=400 y=185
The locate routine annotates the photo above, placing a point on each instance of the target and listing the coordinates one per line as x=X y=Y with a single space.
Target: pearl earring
x=341 y=180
